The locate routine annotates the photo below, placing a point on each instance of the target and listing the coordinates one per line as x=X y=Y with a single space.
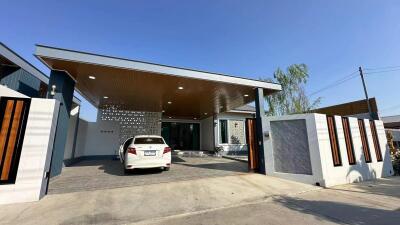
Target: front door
x=181 y=136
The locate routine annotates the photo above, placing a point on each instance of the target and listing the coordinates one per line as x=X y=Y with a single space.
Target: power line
x=380 y=68
x=336 y=83
x=382 y=71
x=354 y=75
x=390 y=108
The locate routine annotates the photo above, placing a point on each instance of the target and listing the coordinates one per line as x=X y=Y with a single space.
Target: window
x=337 y=161
x=223 y=131
x=236 y=132
x=376 y=141
x=349 y=140
x=364 y=141
x=149 y=140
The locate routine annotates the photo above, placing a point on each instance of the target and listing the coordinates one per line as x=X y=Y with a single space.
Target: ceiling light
x=163 y=111
x=170 y=117
x=92 y=77
x=246 y=95
x=205 y=113
x=180 y=88
x=170 y=103
x=105 y=97
x=195 y=118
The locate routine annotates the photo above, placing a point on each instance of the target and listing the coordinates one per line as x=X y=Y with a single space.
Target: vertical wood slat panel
x=364 y=140
x=251 y=143
x=337 y=161
x=4 y=129
x=376 y=141
x=13 y=137
x=349 y=141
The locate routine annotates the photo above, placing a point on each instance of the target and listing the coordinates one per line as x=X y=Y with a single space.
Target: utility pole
x=366 y=93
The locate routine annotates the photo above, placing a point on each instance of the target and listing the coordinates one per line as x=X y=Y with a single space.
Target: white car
x=145 y=151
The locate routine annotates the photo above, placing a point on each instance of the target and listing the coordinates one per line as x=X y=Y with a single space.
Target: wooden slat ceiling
x=146 y=91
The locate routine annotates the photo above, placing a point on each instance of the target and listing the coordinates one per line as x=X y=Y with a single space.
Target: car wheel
x=166 y=168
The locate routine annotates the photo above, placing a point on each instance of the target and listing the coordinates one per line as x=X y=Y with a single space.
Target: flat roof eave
x=43 y=51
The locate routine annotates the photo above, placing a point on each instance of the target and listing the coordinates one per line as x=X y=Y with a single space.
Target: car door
x=123 y=147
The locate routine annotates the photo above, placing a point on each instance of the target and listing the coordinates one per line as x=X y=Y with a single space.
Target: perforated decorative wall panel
x=132 y=122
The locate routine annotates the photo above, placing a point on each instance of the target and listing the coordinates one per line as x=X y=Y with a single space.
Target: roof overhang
x=9 y=57
x=391 y=121
x=143 y=86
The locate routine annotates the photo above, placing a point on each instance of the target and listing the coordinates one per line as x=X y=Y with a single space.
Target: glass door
x=181 y=136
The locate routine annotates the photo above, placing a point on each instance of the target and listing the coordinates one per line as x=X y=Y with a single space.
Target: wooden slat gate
x=251 y=139
x=13 y=117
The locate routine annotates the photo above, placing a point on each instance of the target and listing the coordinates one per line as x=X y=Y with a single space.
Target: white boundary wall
x=31 y=182
x=323 y=170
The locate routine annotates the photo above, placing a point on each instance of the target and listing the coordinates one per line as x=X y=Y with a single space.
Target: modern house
x=192 y=110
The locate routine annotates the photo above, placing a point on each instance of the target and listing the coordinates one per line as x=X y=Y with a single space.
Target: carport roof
x=143 y=86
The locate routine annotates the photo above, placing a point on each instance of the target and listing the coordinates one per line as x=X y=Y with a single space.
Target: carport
x=135 y=97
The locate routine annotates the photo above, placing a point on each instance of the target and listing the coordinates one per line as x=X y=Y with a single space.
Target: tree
x=292 y=99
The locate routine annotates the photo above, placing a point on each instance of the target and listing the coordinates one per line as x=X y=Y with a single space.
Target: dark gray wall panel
x=290 y=147
x=20 y=80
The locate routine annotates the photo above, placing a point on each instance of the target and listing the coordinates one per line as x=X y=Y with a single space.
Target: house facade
x=193 y=110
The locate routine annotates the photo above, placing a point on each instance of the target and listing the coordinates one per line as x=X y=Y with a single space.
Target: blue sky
x=245 y=38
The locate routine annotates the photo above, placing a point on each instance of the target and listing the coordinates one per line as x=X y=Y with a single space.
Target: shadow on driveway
x=342 y=213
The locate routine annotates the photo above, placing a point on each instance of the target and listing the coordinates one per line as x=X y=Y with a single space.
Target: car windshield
x=149 y=140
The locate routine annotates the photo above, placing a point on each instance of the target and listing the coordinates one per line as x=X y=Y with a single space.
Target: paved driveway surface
x=238 y=199
x=104 y=174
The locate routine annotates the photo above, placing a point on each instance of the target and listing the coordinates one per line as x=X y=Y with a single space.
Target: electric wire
x=382 y=71
x=382 y=68
x=336 y=83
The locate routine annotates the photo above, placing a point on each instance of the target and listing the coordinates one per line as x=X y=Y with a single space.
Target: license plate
x=149 y=153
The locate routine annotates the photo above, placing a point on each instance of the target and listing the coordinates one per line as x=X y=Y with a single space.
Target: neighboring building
x=18 y=74
x=392 y=125
x=357 y=109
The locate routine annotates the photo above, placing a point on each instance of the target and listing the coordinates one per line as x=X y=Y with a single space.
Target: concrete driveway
x=105 y=174
x=235 y=199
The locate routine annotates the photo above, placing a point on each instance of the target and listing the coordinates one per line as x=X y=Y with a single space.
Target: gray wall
x=290 y=147
x=20 y=80
x=71 y=135
x=207 y=134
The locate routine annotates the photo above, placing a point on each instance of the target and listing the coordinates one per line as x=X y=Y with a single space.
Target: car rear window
x=149 y=140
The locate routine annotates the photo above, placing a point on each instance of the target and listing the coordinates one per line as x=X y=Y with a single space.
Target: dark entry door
x=252 y=144
x=181 y=136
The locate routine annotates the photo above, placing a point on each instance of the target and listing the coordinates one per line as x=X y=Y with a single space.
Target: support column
x=260 y=127
x=64 y=92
